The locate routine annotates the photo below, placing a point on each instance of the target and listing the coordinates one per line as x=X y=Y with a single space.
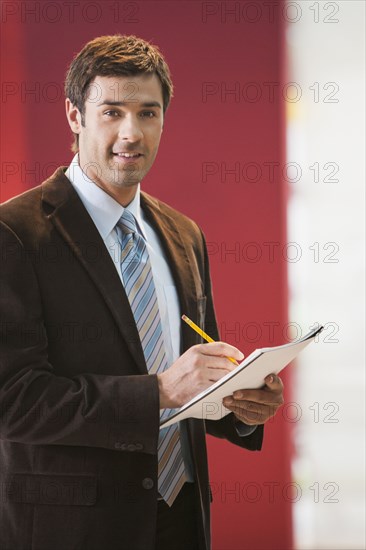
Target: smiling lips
x=127 y=158
x=128 y=155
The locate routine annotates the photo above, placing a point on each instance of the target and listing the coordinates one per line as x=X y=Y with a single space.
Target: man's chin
x=125 y=181
x=124 y=178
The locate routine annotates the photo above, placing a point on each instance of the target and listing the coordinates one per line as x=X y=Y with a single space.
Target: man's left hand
x=257 y=406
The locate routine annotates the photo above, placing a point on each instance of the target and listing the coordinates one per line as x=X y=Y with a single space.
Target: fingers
x=221 y=349
x=217 y=360
x=256 y=406
x=217 y=367
x=257 y=396
x=215 y=374
x=274 y=383
x=250 y=413
x=203 y=361
x=270 y=394
x=255 y=412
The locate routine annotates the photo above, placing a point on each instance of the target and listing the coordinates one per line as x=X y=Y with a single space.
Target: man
x=95 y=277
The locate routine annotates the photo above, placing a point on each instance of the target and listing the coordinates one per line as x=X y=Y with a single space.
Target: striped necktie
x=140 y=289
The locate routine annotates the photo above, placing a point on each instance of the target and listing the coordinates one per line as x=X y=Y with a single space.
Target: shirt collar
x=104 y=210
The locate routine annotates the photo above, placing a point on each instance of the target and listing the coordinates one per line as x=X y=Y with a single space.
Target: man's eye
x=148 y=114
x=111 y=113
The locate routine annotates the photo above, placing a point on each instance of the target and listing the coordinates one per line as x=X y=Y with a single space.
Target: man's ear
x=73 y=116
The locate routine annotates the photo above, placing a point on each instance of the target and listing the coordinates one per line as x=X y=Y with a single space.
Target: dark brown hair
x=115 y=55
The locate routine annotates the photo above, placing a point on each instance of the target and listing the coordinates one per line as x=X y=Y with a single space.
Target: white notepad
x=250 y=374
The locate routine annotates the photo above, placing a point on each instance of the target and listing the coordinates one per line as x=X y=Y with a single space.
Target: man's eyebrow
x=123 y=103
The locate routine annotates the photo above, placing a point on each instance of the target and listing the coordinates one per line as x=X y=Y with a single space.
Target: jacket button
x=131 y=447
x=147 y=483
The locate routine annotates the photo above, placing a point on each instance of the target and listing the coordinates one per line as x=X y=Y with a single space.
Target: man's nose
x=129 y=129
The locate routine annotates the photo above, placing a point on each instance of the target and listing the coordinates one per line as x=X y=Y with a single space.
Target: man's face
x=123 y=126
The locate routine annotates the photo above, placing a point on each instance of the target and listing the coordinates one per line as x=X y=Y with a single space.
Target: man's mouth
x=127 y=155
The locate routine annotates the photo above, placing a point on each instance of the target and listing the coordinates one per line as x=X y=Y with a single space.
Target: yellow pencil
x=203 y=334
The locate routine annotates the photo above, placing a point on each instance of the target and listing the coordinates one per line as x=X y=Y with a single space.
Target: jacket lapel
x=177 y=255
x=66 y=211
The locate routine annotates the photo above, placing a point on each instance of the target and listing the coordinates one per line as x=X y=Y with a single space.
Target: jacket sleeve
x=39 y=407
x=225 y=428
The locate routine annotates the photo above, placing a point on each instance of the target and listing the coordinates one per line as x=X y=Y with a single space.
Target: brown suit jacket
x=79 y=414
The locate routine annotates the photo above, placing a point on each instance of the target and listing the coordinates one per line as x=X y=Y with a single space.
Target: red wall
x=209 y=50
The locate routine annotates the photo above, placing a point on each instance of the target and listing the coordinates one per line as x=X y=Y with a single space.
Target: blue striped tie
x=140 y=289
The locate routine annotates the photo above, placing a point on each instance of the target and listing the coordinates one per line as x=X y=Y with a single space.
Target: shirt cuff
x=243 y=429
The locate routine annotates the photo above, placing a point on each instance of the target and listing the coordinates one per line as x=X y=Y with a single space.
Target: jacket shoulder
x=23 y=211
x=26 y=214
x=22 y=202
x=183 y=222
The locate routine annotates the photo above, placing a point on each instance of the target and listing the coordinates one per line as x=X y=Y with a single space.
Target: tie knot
x=127 y=222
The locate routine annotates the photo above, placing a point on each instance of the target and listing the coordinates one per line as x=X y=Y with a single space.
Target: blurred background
x=326 y=215
x=264 y=146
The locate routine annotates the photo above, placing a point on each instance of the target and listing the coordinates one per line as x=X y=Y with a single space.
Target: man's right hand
x=197 y=369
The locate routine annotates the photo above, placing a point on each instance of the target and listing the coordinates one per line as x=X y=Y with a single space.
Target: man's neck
x=123 y=195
